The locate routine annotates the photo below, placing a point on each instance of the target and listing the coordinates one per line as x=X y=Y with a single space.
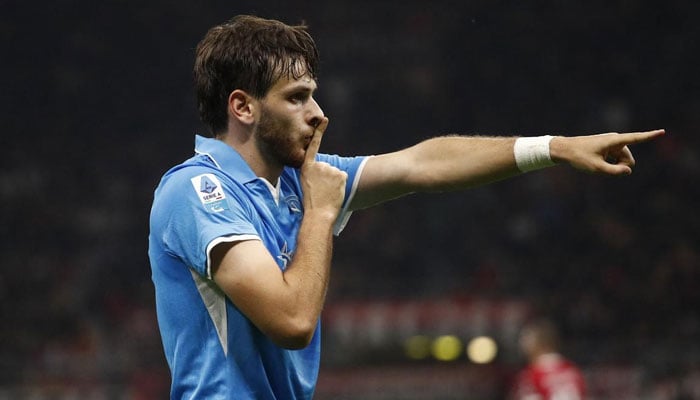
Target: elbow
x=294 y=334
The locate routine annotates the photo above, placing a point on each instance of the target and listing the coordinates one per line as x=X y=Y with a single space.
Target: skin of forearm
x=308 y=274
x=458 y=162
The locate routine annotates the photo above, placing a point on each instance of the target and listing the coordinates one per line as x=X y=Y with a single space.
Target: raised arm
x=459 y=162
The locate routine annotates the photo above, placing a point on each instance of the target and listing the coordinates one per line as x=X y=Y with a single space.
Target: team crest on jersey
x=293 y=203
x=210 y=192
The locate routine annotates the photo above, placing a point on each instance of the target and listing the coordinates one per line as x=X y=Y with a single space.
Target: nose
x=315 y=113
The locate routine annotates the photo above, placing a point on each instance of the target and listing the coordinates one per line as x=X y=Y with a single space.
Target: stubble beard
x=275 y=140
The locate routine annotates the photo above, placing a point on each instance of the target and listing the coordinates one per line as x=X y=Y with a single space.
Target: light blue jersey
x=213 y=350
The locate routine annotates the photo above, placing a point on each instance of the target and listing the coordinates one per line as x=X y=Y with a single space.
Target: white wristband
x=532 y=153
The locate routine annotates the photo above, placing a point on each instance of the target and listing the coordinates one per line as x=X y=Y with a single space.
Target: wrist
x=557 y=148
x=321 y=215
x=533 y=153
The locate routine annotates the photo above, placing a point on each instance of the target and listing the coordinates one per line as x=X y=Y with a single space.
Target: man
x=549 y=376
x=241 y=234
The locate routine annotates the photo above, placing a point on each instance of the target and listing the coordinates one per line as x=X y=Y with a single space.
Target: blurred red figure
x=549 y=375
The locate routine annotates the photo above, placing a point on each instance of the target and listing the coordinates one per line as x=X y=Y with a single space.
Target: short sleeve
x=353 y=167
x=201 y=210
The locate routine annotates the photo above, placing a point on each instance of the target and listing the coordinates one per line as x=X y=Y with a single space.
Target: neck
x=245 y=145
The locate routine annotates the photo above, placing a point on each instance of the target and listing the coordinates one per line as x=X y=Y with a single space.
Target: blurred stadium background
x=97 y=103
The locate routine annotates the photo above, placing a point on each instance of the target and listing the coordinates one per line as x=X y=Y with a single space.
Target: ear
x=242 y=106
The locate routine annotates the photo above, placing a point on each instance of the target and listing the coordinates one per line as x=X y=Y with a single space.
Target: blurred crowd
x=98 y=104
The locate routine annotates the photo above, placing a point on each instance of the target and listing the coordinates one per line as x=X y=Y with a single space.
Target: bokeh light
x=447 y=348
x=482 y=350
x=417 y=347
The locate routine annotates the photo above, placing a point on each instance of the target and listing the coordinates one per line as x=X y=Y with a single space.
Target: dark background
x=96 y=103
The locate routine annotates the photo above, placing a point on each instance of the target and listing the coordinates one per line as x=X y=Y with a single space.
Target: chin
x=298 y=160
x=295 y=162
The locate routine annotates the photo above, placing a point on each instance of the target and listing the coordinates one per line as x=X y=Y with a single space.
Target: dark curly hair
x=248 y=53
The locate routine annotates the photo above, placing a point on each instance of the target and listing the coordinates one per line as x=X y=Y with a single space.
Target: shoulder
x=195 y=173
x=190 y=186
x=194 y=166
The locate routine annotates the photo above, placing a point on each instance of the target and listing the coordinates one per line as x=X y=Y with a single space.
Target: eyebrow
x=300 y=86
x=299 y=90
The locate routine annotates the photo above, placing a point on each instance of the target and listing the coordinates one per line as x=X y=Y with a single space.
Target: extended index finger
x=315 y=143
x=638 y=137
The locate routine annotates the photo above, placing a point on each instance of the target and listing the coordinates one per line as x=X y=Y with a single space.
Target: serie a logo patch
x=210 y=192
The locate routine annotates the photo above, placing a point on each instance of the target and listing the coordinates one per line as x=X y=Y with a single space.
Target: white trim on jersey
x=225 y=239
x=210 y=157
x=215 y=302
x=344 y=213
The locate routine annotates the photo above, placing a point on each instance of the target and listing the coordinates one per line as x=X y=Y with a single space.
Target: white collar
x=274 y=190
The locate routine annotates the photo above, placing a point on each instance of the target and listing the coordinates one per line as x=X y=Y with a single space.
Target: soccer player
x=548 y=376
x=241 y=234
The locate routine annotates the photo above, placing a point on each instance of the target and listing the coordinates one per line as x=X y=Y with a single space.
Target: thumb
x=613 y=169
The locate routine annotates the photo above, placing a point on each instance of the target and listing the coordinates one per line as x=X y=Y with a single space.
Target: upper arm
x=384 y=177
x=248 y=274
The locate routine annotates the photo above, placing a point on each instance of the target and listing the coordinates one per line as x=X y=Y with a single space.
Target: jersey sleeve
x=202 y=210
x=353 y=167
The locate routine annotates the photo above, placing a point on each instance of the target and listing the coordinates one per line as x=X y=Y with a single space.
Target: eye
x=299 y=98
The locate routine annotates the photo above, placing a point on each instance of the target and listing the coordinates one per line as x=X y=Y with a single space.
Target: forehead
x=293 y=74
